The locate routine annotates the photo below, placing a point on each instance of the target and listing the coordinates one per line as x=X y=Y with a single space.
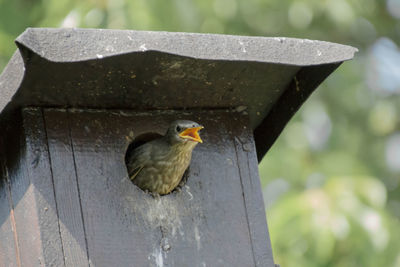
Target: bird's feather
x=139 y=159
x=134 y=172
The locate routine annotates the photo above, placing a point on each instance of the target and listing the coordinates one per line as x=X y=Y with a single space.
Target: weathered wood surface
x=36 y=170
x=8 y=249
x=248 y=170
x=31 y=193
x=66 y=188
x=114 y=210
x=98 y=217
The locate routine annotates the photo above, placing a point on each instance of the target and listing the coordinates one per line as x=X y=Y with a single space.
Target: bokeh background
x=331 y=181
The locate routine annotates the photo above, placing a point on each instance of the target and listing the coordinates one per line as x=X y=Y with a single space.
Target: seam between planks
x=77 y=184
x=235 y=142
x=52 y=182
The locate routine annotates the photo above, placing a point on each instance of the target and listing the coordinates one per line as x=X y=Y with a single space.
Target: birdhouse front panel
x=78 y=198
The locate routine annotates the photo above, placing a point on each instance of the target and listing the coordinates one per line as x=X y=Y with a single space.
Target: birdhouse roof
x=269 y=78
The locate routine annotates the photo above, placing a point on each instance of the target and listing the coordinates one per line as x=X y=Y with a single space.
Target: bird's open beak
x=192 y=134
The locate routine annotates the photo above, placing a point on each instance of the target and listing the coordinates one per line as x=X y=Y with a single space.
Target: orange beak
x=192 y=134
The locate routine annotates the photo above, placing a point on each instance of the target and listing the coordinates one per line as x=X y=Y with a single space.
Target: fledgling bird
x=158 y=166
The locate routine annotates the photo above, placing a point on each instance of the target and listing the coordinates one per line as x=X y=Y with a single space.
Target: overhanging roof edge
x=70 y=45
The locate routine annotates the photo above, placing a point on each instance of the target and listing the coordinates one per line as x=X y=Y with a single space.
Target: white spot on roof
x=243 y=47
x=109 y=48
x=143 y=47
x=280 y=39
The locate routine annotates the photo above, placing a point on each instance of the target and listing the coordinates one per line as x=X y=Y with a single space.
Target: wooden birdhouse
x=73 y=100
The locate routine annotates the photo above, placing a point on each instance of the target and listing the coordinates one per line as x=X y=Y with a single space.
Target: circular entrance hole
x=137 y=142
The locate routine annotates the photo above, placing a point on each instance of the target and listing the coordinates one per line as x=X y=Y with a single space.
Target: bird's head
x=182 y=131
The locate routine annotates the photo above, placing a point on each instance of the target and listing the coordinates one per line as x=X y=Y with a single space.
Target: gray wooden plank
x=22 y=193
x=252 y=194
x=8 y=246
x=36 y=211
x=114 y=210
x=214 y=229
x=66 y=188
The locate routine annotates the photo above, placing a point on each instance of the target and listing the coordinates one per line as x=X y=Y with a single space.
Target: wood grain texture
x=213 y=222
x=23 y=197
x=204 y=224
x=75 y=205
x=66 y=188
x=9 y=256
x=114 y=210
x=252 y=194
x=32 y=210
x=37 y=218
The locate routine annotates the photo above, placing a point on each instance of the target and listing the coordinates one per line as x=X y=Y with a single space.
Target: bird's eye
x=178 y=128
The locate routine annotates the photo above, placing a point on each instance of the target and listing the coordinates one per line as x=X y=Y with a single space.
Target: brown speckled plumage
x=158 y=166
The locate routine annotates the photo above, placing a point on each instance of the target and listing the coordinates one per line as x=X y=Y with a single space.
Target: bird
x=158 y=165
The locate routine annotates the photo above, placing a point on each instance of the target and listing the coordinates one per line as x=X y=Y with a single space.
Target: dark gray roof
x=90 y=68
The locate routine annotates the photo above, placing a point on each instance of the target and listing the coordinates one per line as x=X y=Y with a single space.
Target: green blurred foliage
x=331 y=181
